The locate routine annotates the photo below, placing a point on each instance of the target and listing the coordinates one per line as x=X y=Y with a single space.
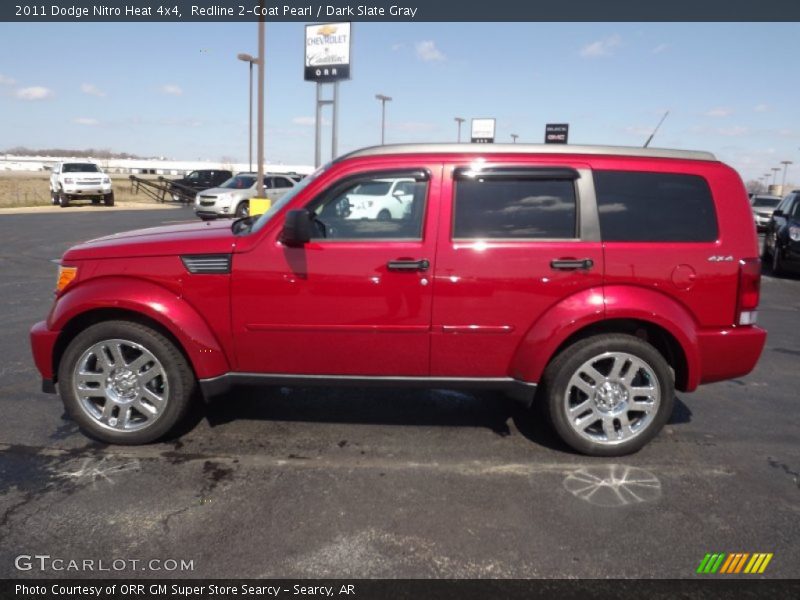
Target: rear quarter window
x=654 y=207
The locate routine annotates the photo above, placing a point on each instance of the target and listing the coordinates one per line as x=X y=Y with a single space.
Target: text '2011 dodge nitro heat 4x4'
x=594 y=280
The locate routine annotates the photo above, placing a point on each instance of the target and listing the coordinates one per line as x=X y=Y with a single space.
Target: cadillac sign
x=327 y=52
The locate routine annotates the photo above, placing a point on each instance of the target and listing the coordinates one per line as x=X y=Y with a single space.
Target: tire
x=53 y=198
x=243 y=209
x=604 y=420
x=108 y=199
x=125 y=409
x=95 y=201
x=777 y=261
x=63 y=200
x=384 y=215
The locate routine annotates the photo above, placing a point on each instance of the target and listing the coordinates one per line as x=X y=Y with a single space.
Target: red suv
x=596 y=280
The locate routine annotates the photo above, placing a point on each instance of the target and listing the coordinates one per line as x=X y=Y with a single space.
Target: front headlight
x=794 y=233
x=66 y=275
x=106 y=180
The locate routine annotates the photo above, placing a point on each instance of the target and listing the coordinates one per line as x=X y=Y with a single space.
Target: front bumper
x=43 y=342
x=729 y=353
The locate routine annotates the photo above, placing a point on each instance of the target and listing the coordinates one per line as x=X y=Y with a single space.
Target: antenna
x=650 y=139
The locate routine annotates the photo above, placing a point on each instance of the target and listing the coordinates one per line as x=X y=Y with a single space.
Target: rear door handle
x=408 y=265
x=572 y=264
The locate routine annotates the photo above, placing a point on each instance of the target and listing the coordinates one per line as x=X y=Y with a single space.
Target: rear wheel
x=124 y=383
x=609 y=395
x=243 y=209
x=384 y=215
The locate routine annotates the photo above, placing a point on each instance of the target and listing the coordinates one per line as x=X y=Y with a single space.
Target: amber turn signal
x=65 y=277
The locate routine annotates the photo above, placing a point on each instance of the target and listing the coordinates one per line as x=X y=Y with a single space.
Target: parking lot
x=290 y=482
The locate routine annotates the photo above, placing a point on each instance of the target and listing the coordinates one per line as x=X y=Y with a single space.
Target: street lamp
x=459 y=120
x=775 y=173
x=251 y=60
x=785 y=164
x=514 y=137
x=384 y=100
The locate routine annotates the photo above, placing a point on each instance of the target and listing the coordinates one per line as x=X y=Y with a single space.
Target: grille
x=206 y=203
x=207 y=263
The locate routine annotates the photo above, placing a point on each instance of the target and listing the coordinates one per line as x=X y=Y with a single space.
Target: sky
x=177 y=90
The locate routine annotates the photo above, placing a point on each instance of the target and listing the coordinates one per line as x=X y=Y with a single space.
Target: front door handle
x=408 y=265
x=572 y=264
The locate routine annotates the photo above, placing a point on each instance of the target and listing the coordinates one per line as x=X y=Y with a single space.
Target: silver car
x=762 y=206
x=232 y=198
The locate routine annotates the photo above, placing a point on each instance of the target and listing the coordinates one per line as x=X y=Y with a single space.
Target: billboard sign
x=483 y=131
x=327 y=52
x=556 y=133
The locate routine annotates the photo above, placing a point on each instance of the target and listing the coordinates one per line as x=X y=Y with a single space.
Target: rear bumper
x=43 y=342
x=729 y=353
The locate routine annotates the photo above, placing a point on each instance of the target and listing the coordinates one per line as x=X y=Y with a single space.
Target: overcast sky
x=177 y=90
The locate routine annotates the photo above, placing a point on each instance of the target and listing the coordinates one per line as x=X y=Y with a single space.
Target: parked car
x=782 y=240
x=762 y=206
x=232 y=198
x=197 y=181
x=568 y=276
x=381 y=199
x=70 y=181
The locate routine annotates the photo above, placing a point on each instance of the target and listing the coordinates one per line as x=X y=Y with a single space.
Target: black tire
x=777 y=261
x=559 y=372
x=384 y=215
x=63 y=200
x=179 y=376
x=53 y=198
x=243 y=209
x=108 y=199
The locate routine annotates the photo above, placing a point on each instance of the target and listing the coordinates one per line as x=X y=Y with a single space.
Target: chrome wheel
x=612 y=398
x=120 y=385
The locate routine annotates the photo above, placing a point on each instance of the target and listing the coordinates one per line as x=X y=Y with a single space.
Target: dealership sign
x=556 y=133
x=327 y=52
x=482 y=131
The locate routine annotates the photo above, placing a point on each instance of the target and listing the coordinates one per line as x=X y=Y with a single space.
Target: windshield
x=286 y=198
x=80 y=168
x=760 y=202
x=240 y=182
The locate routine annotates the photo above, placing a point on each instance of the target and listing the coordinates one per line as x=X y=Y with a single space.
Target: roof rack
x=528 y=149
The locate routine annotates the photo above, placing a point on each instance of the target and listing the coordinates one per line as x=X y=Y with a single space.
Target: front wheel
x=243 y=209
x=108 y=199
x=124 y=383
x=777 y=260
x=609 y=395
x=63 y=200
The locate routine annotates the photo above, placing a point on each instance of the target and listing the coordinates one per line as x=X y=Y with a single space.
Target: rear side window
x=654 y=207
x=508 y=208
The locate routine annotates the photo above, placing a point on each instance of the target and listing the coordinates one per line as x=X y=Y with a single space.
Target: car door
x=354 y=301
x=519 y=239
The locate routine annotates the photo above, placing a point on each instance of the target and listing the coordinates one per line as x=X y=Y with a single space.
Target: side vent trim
x=207 y=264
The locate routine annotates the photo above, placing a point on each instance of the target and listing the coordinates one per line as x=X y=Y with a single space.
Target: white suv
x=232 y=198
x=381 y=199
x=71 y=181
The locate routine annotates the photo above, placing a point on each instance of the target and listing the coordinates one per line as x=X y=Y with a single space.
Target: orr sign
x=327 y=52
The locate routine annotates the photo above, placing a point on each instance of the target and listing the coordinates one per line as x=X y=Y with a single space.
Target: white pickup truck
x=71 y=181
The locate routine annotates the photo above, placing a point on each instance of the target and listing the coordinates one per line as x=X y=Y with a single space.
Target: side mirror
x=297 y=228
x=777 y=213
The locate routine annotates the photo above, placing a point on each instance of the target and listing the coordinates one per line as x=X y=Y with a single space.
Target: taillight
x=749 y=291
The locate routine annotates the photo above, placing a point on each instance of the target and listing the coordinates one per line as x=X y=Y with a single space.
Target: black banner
x=400 y=589
x=409 y=10
x=556 y=133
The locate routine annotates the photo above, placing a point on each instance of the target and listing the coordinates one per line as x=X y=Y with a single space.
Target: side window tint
x=367 y=209
x=514 y=209
x=654 y=207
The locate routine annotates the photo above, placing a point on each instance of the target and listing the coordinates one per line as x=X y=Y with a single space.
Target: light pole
x=384 y=100
x=775 y=174
x=514 y=137
x=785 y=164
x=459 y=120
x=249 y=59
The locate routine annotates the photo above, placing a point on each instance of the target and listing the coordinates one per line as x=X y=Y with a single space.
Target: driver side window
x=384 y=206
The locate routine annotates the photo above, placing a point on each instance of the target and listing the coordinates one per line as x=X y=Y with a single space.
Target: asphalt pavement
x=295 y=482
